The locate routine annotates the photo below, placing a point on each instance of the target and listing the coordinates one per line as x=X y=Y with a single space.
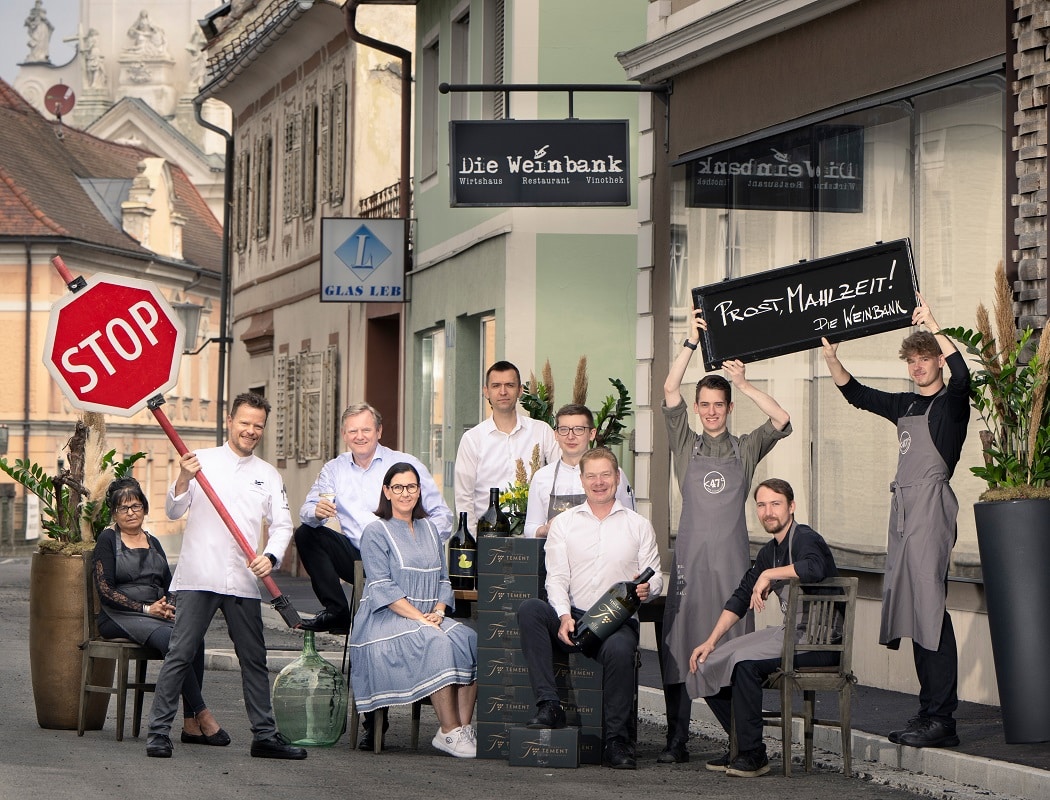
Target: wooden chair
x=123 y=652
x=827 y=626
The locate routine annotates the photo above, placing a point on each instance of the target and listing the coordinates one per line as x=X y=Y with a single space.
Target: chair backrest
x=826 y=611
x=91 y=601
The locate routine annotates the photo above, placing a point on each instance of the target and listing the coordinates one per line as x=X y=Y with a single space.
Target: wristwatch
x=439 y=611
x=689 y=344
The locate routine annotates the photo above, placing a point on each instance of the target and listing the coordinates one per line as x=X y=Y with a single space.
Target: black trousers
x=327 y=556
x=938 y=673
x=744 y=697
x=538 y=626
x=678 y=706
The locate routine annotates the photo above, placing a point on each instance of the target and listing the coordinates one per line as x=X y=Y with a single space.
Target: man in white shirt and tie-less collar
x=214 y=574
x=589 y=548
x=487 y=452
x=557 y=487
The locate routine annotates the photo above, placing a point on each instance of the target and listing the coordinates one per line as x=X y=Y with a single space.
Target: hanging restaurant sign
x=539 y=163
x=816 y=168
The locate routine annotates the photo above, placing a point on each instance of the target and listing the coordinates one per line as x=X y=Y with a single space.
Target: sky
x=13 y=37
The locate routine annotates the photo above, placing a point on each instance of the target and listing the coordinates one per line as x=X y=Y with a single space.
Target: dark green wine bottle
x=494 y=522
x=611 y=611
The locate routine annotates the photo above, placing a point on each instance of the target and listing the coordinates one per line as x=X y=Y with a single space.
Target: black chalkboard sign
x=845 y=296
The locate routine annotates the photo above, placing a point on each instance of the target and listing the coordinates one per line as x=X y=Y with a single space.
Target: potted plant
x=72 y=511
x=1009 y=391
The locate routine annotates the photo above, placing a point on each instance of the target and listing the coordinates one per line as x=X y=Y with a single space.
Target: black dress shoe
x=368 y=741
x=338 y=624
x=674 y=753
x=912 y=725
x=931 y=733
x=620 y=756
x=550 y=714
x=158 y=747
x=217 y=739
x=277 y=746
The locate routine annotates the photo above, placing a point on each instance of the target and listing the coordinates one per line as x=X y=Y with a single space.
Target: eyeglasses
x=402 y=488
x=576 y=430
x=134 y=508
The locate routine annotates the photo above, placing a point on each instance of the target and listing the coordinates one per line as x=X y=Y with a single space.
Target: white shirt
x=542 y=486
x=585 y=555
x=253 y=493
x=357 y=493
x=486 y=459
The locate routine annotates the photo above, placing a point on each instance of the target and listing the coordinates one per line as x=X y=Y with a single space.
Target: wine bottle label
x=462 y=563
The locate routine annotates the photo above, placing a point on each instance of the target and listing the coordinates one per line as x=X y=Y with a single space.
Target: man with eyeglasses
x=589 y=548
x=557 y=487
x=212 y=573
x=348 y=489
x=714 y=470
x=488 y=452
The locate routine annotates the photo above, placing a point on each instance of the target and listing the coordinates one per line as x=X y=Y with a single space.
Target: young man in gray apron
x=714 y=472
x=730 y=677
x=557 y=487
x=931 y=428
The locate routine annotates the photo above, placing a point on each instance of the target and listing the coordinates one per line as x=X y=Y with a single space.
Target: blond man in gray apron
x=931 y=428
x=729 y=677
x=714 y=472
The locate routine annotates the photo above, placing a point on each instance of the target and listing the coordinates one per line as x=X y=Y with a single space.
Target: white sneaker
x=457 y=742
x=472 y=733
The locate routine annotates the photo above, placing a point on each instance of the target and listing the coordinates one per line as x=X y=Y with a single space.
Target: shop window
x=428 y=93
x=928 y=167
x=431 y=407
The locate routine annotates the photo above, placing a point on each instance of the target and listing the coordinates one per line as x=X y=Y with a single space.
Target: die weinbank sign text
x=540 y=163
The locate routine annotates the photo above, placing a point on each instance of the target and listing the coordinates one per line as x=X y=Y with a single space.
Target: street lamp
x=190 y=317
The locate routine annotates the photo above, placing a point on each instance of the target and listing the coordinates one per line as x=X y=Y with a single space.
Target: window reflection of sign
x=818 y=168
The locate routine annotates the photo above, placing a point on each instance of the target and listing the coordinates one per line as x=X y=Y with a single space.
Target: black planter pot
x=1014 y=540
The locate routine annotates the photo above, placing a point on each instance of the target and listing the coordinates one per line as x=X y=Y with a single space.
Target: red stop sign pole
x=105 y=352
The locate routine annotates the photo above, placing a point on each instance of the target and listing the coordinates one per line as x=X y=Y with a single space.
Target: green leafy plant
x=538 y=402
x=1009 y=394
x=72 y=504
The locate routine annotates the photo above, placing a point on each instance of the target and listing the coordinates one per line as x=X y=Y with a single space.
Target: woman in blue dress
x=402 y=648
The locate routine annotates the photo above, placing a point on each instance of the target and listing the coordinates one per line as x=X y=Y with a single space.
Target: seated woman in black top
x=132 y=577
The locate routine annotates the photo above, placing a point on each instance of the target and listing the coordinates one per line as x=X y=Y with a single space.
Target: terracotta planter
x=1014 y=540
x=56 y=629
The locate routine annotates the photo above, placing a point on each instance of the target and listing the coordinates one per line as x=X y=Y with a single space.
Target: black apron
x=139 y=575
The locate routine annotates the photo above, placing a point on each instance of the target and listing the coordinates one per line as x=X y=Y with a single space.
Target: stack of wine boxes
x=510 y=571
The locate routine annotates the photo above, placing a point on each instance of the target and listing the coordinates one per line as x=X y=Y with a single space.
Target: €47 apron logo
x=905 y=442
x=714 y=482
x=363 y=252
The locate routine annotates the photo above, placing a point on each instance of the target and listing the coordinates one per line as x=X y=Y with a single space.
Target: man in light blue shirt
x=348 y=488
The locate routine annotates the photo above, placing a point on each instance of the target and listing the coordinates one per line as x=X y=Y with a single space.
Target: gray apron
x=561 y=502
x=139 y=575
x=710 y=554
x=717 y=671
x=921 y=536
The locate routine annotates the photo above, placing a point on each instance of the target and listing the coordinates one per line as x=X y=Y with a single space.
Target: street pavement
x=59 y=765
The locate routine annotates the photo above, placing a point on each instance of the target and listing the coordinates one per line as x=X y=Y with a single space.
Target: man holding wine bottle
x=714 y=470
x=589 y=548
x=488 y=452
x=730 y=677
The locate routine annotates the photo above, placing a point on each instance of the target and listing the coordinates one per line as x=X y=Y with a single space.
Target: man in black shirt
x=931 y=427
x=730 y=677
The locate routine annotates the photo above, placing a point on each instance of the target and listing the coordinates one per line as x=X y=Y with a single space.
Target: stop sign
x=113 y=345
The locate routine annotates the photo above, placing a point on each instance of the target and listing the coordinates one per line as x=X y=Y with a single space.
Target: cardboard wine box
x=506 y=555
x=551 y=749
x=511 y=704
x=591 y=744
x=505 y=592
x=506 y=667
x=498 y=629
x=584 y=673
x=493 y=739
